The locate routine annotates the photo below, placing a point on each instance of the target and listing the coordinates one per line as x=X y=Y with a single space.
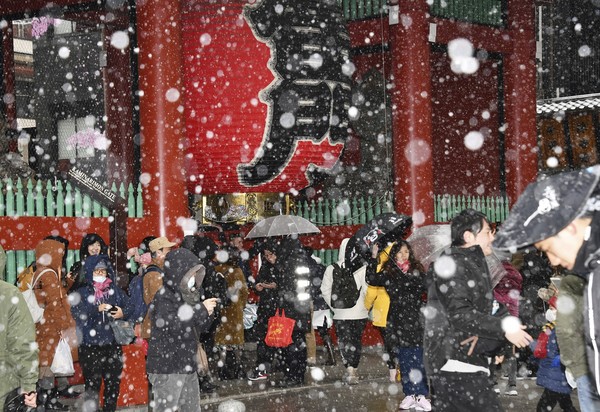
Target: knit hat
x=101 y=265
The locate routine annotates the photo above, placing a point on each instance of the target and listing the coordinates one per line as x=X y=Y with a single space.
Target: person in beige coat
x=229 y=335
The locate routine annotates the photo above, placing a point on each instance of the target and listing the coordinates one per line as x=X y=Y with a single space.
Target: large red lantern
x=268 y=93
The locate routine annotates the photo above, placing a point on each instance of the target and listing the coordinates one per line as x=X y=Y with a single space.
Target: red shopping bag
x=279 y=330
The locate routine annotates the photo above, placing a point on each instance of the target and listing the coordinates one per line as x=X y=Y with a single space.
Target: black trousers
x=462 y=392
x=349 y=334
x=293 y=357
x=549 y=399
x=100 y=363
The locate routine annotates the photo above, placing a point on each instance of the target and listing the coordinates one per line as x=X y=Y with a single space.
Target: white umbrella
x=428 y=242
x=282 y=225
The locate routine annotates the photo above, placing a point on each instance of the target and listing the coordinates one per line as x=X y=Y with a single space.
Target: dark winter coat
x=460 y=307
x=404 y=326
x=587 y=264
x=317 y=270
x=551 y=373
x=293 y=265
x=175 y=325
x=85 y=311
x=268 y=297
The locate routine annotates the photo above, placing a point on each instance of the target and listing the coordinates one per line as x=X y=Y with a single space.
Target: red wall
x=464 y=103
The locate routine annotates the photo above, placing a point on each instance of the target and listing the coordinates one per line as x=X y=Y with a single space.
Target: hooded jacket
x=85 y=311
x=50 y=295
x=18 y=358
x=460 y=307
x=175 y=323
x=358 y=311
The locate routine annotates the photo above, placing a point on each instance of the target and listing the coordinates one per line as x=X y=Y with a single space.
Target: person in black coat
x=460 y=324
x=294 y=297
x=266 y=288
x=404 y=280
x=178 y=316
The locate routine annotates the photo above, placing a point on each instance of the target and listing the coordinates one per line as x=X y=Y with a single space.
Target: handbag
x=37 y=312
x=15 y=402
x=62 y=364
x=279 y=330
x=202 y=360
x=123 y=331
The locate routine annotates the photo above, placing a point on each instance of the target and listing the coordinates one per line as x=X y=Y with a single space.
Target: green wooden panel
x=486 y=12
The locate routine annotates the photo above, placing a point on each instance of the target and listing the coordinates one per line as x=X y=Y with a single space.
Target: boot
x=330 y=353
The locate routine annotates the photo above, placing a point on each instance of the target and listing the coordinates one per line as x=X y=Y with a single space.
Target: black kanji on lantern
x=311 y=96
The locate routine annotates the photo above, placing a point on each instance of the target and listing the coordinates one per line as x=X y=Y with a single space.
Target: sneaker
x=511 y=391
x=258 y=375
x=408 y=402
x=423 y=404
x=352 y=378
x=497 y=389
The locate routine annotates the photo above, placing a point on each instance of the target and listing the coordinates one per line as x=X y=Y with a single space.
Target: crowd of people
x=482 y=308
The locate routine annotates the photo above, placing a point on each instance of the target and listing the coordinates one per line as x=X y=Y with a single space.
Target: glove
x=556 y=362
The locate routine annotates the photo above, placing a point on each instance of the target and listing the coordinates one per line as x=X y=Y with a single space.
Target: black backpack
x=344 y=292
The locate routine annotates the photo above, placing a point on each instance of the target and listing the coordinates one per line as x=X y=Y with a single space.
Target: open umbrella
x=282 y=225
x=381 y=229
x=428 y=242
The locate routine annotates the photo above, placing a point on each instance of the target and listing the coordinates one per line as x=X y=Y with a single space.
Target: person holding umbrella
x=560 y=216
x=404 y=280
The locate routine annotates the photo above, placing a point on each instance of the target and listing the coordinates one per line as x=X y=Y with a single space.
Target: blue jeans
x=589 y=401
x=414 y=380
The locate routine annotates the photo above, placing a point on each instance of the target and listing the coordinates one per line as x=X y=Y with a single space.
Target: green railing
x=347 y=212
x=39 y=198
x=363 y=9
x=487 y=12
x=448 y=206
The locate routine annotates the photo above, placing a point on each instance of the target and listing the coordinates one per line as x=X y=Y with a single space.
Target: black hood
x=178 y=263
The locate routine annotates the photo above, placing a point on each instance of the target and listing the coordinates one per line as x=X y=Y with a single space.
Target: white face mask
x=99 y=279
x=551 y=315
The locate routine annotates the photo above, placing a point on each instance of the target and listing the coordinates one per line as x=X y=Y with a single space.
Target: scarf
x=101 y=289
x=404 y=266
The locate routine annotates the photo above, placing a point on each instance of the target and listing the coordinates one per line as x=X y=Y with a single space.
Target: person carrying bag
x=279 y=331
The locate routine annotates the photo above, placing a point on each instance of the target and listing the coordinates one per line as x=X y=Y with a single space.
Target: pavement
x=325 y=390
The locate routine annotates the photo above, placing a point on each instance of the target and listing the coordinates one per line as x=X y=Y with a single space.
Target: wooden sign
x=92 y=187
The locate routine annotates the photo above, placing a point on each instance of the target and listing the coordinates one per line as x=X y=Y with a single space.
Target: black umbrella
x=383 y=228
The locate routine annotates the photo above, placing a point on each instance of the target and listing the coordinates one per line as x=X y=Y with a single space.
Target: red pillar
x=520 y=99
x=9 y=81
x=161 y=120
x=411 y=108
x=118 y=108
